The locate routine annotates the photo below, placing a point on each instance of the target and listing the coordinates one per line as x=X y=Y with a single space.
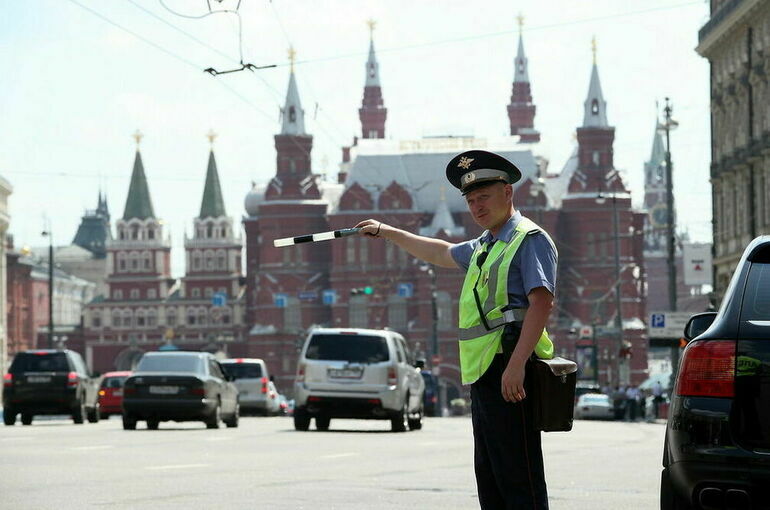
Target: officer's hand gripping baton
x=312 y=238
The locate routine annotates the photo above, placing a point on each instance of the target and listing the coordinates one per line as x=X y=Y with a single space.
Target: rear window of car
x=595 y=399
x=243 y=370
x=31 y=362
x=170 y=363
x=113 y=382
x=351 y=348
x=756 y=300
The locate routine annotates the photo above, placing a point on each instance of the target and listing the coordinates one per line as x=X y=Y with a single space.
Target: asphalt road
x=265 y=464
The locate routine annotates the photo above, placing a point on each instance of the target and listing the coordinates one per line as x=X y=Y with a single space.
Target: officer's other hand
x=371 y=228
x=512 y=383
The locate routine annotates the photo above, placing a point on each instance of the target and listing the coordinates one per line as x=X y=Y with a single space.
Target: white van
x=256 y=391
x=358 y=373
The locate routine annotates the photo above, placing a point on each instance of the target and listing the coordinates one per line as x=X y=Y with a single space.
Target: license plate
x=38 y=378
x=586 y=409
x=345 y=373
x=164 y=390
x=117 y=393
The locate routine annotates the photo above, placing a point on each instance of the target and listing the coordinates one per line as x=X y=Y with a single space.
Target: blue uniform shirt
x=533 y=266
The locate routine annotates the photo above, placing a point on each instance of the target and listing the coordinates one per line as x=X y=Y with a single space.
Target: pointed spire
x=658 y=155
x=595 y=106
x=521 y=73
x=138 y=202
x=212 y=205
x=293 y=116
x=372 y=67
x=443 y=220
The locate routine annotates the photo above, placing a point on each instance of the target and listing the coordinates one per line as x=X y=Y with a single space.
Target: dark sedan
x=717 y=447
x=179 y=386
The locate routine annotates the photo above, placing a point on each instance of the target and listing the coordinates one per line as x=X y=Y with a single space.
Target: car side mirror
x=420 y=363
x=698 y=324
x=272 y=378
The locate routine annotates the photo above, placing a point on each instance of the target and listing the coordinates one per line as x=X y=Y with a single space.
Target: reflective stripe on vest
x=479 y=342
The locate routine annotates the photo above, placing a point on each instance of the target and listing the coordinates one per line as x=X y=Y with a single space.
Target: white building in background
x=5 y=191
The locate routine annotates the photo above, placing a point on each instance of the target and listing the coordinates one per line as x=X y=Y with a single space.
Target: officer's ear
x=509 y=192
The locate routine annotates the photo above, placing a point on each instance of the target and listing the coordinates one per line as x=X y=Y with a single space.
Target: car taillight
x=8 y=380
x=72 y=379
x=392 y=376
x=264 y=385
x=199 y=392
x=707 y=369
x=102 y=393
x=301 y=372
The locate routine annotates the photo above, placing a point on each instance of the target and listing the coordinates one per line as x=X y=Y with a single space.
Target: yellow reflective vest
x=482 y=300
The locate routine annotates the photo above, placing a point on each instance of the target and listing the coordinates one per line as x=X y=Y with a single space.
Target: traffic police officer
x=505 y=302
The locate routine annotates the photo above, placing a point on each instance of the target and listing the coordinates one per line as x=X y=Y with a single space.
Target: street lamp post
x=667 y=126
x=618 y=304
x=47 y=233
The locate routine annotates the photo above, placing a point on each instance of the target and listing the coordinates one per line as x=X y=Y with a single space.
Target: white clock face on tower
x=659 y=215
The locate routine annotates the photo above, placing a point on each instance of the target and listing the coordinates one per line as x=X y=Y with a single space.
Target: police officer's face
x=490 y=205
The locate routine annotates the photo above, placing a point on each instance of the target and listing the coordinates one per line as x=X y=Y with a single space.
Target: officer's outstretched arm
x=434 y=251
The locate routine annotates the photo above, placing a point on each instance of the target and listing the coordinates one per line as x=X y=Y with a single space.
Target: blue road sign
x=405 y=290
x=219 y=299
x=329 y=297
x=658 y=320
x=280 y=300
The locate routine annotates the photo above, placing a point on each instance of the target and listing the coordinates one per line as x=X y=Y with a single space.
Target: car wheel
x=129 y=422
x=415 y=423
x=232 y=422
x=26 y=419
x=301 y=420
x=79 y=413
x=153 y=424
x=669 y=499
x=399 y=422
x=9 y=416
x=322 y=423
x=215 y=418
x=93 y=414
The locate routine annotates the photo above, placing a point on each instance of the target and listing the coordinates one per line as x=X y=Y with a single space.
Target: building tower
x=211 y=287
x=94 y=230
x=521 y=110
x=655 y=196
x=372 y=112
x=138 y=259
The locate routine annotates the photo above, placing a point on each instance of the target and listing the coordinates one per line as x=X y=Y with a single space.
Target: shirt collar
x=506 y=233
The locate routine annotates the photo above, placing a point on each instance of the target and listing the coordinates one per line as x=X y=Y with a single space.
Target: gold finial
x=292 y=57
x=520 y=19
x=211 y=135
x=371 y=24
x=138 y=137
x=593 y=48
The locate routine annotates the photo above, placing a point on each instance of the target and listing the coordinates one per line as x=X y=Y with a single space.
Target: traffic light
x=368 y=290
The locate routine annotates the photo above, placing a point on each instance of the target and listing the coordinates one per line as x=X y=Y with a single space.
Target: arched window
x=152 y=318
x=134 y=294
x=202 y=317
x=117 y=294
x=221 y=260
x=208 y=292
x=152 y=294
x=209 y=258
x=134 y=258
x=151 y=232
x=135 y=232
x=196 y=292
x=147 y=260
x=292 y=114
x=121 y=262
x=116 y=320
x=140 y=319
x=594 y=107
x=96 y=319
x=127 y=318
x=191 y=316
x=196 y=261
x=171 y=316
x=209 y=230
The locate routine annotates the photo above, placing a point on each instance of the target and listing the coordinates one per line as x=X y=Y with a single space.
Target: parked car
x=46 y=381
x=179 y=386
x=358 y=373
x=594 y=405
x=256 y=389
x=111 y=393
x=715 y=453
x=431 y=399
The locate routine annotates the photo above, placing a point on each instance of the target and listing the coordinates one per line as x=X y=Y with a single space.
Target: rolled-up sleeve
x=462 y=252
x=538 y=263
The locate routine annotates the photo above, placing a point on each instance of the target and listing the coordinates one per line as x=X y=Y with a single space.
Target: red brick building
x=402 y=183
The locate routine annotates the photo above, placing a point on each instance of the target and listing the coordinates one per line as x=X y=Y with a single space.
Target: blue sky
x=76 y=87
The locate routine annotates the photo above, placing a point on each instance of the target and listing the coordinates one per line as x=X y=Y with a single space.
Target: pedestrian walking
x=657 y=394
x=505 y=302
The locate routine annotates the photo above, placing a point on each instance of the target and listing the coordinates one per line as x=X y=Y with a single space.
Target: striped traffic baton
x=313 y=238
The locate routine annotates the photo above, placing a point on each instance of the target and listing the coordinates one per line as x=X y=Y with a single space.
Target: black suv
x=49 y=382
x=717 y=447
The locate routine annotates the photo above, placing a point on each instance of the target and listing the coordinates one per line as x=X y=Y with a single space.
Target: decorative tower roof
x=443 y=220
x=212 y=205
x=292 y=113
x=654 y=176
x=94 y=230
x=372 y=112
x=521 y=110
x=138 y=202
x=595 y=106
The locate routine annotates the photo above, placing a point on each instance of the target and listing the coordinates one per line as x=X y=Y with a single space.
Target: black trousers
x=507 y=450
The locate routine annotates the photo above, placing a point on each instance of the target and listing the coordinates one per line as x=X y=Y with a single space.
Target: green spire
x=138 y=202
x=212 y=204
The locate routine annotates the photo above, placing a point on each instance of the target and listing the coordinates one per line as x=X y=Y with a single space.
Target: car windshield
x=243 y=370
x=351 y=348
x=170 y=363
x=113 y=382
x=45 y=362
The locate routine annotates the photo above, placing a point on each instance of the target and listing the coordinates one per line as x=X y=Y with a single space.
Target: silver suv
x=358 y=373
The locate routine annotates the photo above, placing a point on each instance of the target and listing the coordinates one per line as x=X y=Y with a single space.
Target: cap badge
x=469 y=177
x=465 y=162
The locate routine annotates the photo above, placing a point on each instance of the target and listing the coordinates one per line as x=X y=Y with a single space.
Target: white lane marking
x=20 y=438
x=339 y=455
x=94 y=447
x=176 y=466
x=429 y=443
